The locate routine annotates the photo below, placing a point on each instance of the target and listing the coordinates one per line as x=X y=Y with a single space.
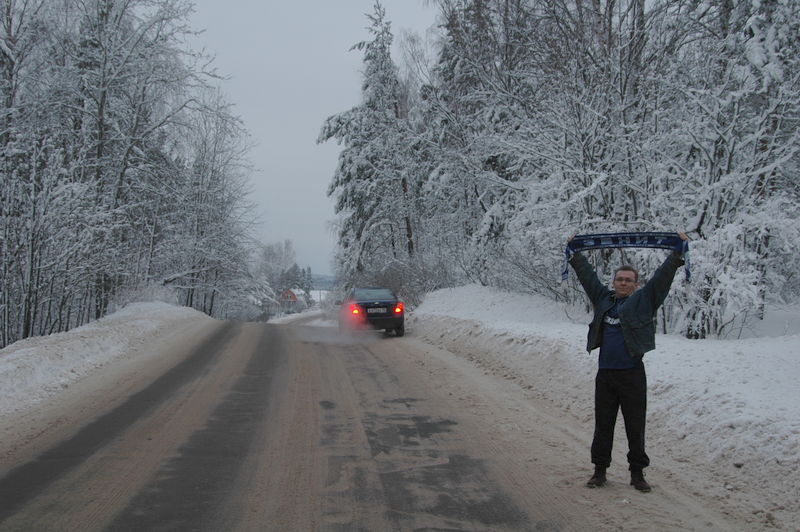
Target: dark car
x=378 y=308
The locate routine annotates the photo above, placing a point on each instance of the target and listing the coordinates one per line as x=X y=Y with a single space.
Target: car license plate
x=376 y=310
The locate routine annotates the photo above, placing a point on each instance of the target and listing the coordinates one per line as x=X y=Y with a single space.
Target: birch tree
x=101 y=184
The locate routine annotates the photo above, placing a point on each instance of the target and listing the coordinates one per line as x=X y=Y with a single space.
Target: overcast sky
x=290 y=68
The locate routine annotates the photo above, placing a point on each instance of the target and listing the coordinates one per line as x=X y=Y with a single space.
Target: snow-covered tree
x=545 y=118
x=105 y=174
x=373 y=191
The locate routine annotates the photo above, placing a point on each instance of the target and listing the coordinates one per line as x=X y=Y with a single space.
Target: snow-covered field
x=723 y=412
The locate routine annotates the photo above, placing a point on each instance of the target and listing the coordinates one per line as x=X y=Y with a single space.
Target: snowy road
x=294 y=427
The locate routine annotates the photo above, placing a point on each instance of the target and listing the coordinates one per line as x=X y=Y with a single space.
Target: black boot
x=599 y=477
x=638 y=481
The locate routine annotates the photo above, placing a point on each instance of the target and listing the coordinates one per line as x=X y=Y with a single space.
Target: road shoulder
x=31 y=429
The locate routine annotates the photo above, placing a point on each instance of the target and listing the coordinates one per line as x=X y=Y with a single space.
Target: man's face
x=625 y=283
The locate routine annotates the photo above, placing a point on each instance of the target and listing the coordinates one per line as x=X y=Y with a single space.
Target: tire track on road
x=198 y=488
x=25 y=482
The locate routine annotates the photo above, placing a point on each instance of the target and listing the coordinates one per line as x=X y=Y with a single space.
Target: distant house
x=294 y=300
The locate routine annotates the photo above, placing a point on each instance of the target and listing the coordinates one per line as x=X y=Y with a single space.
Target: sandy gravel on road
x=542 y=445
x=533 y=445
x=680 y=488
x=539 y=448
x=26 y=432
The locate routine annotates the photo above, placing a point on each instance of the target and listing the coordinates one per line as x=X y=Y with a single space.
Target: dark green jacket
x=637 y=313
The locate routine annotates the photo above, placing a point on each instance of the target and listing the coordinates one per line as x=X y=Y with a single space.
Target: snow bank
x=729 y=407
x=34 y=369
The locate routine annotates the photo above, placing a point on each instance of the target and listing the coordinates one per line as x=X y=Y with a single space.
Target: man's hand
x=683 y=236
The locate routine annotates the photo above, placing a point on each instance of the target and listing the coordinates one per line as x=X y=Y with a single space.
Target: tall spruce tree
x=371 y=189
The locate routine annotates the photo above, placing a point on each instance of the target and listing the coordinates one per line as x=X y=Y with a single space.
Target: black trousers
x=616 y=389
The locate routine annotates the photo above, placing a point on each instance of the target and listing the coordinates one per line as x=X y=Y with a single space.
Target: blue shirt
x=613 y=351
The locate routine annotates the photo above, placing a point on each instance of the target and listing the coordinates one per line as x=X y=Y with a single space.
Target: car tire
x=400 y=331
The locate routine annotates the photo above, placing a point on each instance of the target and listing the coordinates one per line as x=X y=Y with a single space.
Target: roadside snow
x=726 y=407
x=36 y=369
x=723 y=412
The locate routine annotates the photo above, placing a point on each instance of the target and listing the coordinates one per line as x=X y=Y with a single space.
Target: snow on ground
x=728 y=408
x=35 y=369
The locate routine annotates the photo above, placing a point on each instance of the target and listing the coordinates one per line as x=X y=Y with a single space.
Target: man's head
x=626 y=281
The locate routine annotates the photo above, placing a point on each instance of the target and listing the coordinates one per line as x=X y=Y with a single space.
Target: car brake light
x=398 y=308
x=355 y=309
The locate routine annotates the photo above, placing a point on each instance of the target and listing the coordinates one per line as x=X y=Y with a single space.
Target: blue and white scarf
x=626 y=240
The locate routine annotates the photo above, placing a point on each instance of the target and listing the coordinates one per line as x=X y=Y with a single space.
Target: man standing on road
x=624 y=329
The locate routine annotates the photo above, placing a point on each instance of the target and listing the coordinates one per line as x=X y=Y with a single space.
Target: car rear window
x=373 y=293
